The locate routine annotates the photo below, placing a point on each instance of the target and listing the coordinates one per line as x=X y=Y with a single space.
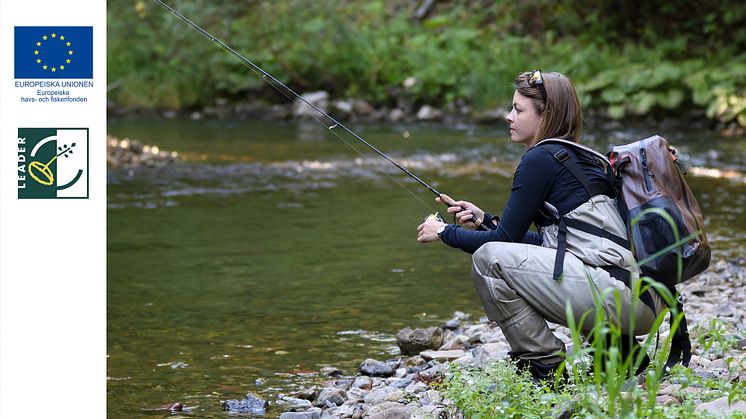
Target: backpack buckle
x=562 y=155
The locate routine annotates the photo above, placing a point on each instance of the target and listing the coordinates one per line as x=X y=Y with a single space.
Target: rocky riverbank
x=403 y=110
x=409 y=386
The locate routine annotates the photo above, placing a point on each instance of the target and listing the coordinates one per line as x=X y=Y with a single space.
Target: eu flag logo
x=53 y=52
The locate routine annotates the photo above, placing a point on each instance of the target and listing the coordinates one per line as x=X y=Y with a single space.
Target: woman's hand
x=428 y=231
x=463 y=210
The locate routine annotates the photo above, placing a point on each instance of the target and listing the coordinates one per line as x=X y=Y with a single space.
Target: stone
x=721 y=408
x=374 y=368
x=361 y=107
x=396 y=115
x=412 y=342
x=343 y=107
x=668 y=390
x=331 y=372
x=251 y=404
x=493 y=336
x=293 y=404
x=666 y=400
x=429 y=113
x=309 y=414
x=490 y=352
x=452 y=324
x=382 y=407
x=398 y=382
x=356 y=395
x=318 y=99
x=430 y=397
x=452 y=342
x=442 y=355
x=331 y=395
x=378 y=396
x=362 y=382
x=309 y=393
x=417 y=387
x=398 y=396
x=343 y=411
x=397 y=412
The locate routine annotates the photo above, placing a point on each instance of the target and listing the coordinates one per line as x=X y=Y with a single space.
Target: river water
x=272 y=250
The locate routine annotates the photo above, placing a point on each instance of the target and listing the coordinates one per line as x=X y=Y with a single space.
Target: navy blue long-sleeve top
x=539 y=177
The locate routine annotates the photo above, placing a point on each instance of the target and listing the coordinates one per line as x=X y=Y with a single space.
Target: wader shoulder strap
x=563 y=156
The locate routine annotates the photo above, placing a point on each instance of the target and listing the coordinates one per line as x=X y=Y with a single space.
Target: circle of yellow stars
x=53 y=36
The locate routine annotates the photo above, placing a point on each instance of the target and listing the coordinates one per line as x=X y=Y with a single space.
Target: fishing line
x=332 y=125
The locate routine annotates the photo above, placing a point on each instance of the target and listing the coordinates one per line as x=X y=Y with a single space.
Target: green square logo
x=52 y=163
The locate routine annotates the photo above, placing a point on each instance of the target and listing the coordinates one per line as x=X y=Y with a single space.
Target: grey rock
x=374 y=368
x=318 y=99
x=430 y=397
x=454 y=341
x=396 y=115
x=442 y=355
x=356 y=395
x=309 y=414
x=476 y=329
x=343 y=107
x=666 y=400
x=309 y=393
x=293 y=404
x=412 y=342
x=251 y=404
x=741 y=344
x=343 y=411
x=721 y=408
x=378 y=396
x=417 y=387
x=395 y=412
x=452 y=324
x=382 y=407
x=331 y=395
x=331 y=372
x=490 y=352
x=398 y=396
x=429 y=113
x=398 y=382
x=361 y=107
x=362 y=382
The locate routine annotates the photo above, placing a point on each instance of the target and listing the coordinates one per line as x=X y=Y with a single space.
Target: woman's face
x=524 y=120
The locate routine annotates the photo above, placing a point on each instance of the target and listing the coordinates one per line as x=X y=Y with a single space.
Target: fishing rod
x=271 y=80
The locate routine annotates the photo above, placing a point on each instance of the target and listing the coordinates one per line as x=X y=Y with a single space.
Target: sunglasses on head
x=535 y=80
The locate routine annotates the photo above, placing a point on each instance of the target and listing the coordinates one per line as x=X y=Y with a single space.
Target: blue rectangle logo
x=53 y=52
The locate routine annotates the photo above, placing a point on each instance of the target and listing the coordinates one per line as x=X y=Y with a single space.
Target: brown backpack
x=665 y=227
x=649 y=186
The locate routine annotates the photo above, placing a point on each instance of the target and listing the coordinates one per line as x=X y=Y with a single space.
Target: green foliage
x=499 y=391
x=628 y=60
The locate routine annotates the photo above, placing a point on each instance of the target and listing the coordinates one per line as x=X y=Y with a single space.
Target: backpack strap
x=563 y=156
x=681 y=345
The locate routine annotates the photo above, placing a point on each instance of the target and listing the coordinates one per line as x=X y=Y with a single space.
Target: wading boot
x=542 y=372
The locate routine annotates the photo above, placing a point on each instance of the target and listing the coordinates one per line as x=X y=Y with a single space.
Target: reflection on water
x=273 y=250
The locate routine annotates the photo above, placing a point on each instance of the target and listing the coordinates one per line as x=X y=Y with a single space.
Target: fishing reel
x=435 y=216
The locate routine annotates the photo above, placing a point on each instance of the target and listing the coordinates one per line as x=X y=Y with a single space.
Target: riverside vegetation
x=628 y=59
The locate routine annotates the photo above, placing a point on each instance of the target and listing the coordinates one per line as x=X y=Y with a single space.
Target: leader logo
x=52 y=163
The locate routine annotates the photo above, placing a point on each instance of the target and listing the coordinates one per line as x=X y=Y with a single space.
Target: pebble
x=721 y=408
x=376 y=368
x=442 y=355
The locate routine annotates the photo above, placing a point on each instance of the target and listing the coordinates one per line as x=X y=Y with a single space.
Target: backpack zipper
x=645 y=171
